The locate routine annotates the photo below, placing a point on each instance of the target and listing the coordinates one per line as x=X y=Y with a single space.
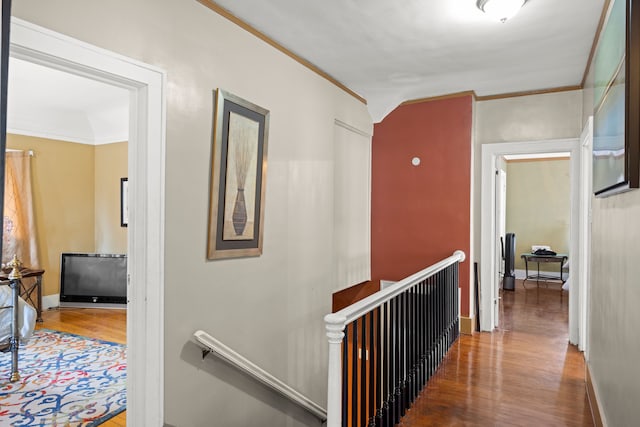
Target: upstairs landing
x=525 y=374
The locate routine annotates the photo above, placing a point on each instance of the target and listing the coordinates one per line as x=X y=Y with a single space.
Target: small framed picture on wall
x=124 y=202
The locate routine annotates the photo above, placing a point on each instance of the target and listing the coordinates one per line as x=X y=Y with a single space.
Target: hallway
x=524 y=374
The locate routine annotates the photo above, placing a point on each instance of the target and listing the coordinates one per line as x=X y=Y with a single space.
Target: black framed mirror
x=616 y=139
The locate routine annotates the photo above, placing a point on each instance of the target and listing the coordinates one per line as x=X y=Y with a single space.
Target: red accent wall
x=421 y=214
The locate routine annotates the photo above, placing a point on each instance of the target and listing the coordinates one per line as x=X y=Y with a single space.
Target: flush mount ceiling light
x=500 y=10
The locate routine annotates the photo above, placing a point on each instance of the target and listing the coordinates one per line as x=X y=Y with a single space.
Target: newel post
x=335 y=333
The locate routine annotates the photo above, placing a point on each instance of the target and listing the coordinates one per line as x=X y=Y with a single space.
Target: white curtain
x=352 y=205
x=19 y=230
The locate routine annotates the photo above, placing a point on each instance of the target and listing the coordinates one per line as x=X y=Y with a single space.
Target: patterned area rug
x=66 y=380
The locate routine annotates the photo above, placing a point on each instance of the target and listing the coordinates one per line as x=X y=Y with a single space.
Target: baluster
x=397 y=361
x=345 y=378
x=449 y=308
x=418 y=340
x=457 y=280
x=412 y=322
x=445 y=317
x=354 y=376
x=403 y=356
x=379 y=357
x=454 y=303
x=440 y=314
x=407 y=354
x=363 y=373
x=414 y=344
x=373 y=359
x=422 y=332
x=418 y=326
x=387 y=365
x=427 y=326
x=447 y=302
x=385 y=319
x=432 y=324
x=425 y=330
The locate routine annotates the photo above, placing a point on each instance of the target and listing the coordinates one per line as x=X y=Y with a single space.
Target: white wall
x=614 y=345
x=523 y=118
x=269 y=308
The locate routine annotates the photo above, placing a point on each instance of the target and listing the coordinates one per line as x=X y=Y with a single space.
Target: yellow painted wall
x=63 y=187
x=538 y=208
x=76 y=199
x=110 y=166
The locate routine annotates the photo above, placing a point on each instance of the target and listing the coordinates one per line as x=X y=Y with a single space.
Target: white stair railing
x=395 y=340
x=210 y=344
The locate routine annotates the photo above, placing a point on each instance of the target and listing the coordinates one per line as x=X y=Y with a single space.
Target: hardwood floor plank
x=524 y=374
x=103 y=324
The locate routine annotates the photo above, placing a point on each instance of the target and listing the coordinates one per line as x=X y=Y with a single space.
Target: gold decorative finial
x=15 y=265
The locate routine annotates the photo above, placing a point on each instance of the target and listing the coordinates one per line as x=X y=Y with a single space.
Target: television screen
x=93 y=278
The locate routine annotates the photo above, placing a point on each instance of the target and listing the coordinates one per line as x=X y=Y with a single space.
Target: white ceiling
x=48 y=103
x=392 y=51
x=385 y=51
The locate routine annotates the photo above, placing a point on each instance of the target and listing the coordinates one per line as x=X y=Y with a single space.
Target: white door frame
x=488 y=294
x=145 y=289
x=501 y=208
x=586 y=193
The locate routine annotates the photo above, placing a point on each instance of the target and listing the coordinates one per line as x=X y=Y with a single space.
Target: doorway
x=145 y=291
x=489 y=295
x=75 y=131
x=532 y=205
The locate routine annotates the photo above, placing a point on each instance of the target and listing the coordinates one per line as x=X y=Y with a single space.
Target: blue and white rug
x=66 y=380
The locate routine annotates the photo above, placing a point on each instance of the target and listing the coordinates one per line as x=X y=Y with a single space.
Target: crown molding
x=440 y=97
x=476 y=97
x=245 y=26
x=529 y=92
x=594 y=44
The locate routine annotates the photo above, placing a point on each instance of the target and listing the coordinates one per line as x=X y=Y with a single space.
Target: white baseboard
x=53 y=301
x=93 y=305
x=520 y=274
x=595 y=404
x=50 y=301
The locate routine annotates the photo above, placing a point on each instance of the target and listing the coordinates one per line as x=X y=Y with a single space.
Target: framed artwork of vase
x=616 y=123
x=238 y=178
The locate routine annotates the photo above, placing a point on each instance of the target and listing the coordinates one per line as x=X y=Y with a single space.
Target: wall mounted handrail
x=237 y=360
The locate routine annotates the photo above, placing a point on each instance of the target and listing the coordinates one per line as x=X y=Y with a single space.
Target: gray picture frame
x=238 y=178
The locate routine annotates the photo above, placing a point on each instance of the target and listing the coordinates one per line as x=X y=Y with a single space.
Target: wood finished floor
x=104 y=324
x=525 y=374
